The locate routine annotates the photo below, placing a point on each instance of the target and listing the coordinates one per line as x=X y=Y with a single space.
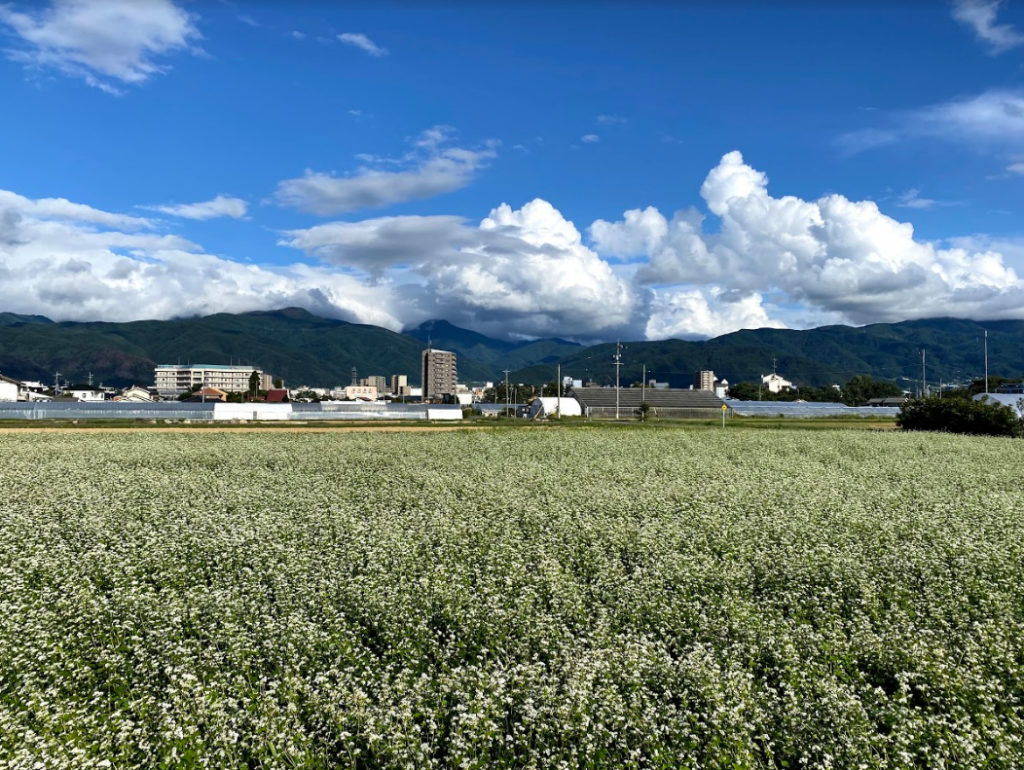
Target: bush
x=956 y=415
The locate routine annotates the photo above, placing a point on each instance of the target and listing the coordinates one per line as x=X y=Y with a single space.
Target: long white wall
x=223 y=411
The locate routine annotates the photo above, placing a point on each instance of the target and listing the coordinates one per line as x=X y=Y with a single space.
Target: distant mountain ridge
x=306 y=349
x=954 y=351
x=489 y=351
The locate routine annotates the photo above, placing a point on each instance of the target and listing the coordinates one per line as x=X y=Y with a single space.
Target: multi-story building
x=375 y=381
x=400 y=385
x=361 y=392
x=704 y=380
x=439 y=374
x=173 y=380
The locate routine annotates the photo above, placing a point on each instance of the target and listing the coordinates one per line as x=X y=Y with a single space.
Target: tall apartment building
x=173 y=380
x=439 y=374
x=704 y=380
x=400 y=385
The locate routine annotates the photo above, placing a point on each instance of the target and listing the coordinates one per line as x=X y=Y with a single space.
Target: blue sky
x=587 y=170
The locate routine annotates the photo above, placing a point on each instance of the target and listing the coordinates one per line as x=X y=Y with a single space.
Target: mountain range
x=306 y=349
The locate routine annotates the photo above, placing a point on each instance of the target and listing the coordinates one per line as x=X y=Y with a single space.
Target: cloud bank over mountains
x=767 y=261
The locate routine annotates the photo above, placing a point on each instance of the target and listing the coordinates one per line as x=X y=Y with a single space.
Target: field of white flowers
x=590 y=598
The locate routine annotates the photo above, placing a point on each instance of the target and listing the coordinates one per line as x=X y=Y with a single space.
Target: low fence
x=200 y=412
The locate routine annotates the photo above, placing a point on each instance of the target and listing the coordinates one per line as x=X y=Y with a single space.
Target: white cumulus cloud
x=766 y=260
x=832 y=255
x=221 y=206
x=698 y=313
x=104 y=42
x=525 y=269
x=361 y=41
x=434 y=168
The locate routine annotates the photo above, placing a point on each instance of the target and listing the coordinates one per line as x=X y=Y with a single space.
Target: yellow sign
x=724 y=407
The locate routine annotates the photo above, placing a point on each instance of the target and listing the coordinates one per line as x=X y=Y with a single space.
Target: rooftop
x=226 y=367
x=661 y=397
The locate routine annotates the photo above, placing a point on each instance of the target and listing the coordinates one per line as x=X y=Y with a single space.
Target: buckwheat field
x=589 y=598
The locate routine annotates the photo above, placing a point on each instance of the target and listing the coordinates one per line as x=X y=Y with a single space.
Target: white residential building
x=173 y=380
x=9 y=389
x=135 y=393
x=87 y=394
x=775 y=382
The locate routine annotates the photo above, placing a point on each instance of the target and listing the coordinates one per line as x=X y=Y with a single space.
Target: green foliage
x=959 y=415
x=856 y=392
x=861 y=388
x=591 y=598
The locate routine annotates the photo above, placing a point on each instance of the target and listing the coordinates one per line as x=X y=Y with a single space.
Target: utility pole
x=506 y=392
x=558 y=409
x=354 y=376
x=618 y=362
x=643 y=385
x=924 y=378
x=986 y=360
x=56 y=383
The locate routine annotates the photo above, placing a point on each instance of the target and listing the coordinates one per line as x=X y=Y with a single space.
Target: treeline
x=855 y=392
x=960 y=413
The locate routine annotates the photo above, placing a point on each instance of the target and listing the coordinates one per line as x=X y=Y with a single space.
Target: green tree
x=254 y=384
x=958 y=415
x=862 y=388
